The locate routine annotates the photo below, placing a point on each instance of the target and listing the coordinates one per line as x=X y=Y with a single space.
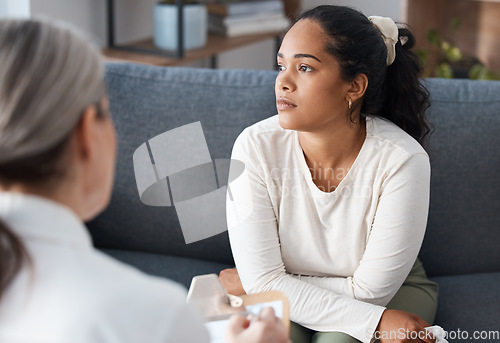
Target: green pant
x=417 y=295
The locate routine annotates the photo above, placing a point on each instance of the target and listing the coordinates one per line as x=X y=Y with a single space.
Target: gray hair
x=49 y=73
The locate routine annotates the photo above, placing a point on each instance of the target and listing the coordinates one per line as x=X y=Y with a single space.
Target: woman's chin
x=287 y=121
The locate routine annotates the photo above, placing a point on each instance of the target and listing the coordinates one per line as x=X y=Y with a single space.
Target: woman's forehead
x=306 y=36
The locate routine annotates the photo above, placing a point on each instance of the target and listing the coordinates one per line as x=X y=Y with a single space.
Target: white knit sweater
x=341 y=256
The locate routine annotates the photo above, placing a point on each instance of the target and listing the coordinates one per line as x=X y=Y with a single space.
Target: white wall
x=14 y=8
x=88 y=15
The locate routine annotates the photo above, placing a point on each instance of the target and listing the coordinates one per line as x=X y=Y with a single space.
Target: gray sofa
x=461 y=249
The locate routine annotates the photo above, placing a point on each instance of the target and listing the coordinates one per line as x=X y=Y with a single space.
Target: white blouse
x=341 y=256
x=74 y=293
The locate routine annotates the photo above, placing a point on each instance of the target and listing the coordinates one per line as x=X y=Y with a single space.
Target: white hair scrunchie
x=389 y=32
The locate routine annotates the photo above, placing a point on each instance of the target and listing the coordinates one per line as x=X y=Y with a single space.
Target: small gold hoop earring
x=350 y=104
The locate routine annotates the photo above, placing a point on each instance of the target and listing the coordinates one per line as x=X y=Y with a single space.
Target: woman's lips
x=284 y=104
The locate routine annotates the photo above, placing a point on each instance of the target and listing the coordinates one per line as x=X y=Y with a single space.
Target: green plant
x=449 y=61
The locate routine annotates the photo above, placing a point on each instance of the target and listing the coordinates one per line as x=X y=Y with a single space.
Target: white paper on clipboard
x=217 y=328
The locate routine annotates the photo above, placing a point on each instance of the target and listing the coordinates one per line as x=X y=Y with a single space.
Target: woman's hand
x=400 y=326
x=265 y=328
x=231 y=282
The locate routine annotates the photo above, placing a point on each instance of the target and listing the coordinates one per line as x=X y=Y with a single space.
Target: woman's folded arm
x=255 y=243
x=395 y=237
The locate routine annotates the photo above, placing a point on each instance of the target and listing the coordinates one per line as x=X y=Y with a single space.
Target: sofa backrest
x=464 y=219
x=146 y=101
x=463 y=231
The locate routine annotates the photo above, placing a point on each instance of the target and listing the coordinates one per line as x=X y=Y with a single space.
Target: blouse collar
x=37 y=218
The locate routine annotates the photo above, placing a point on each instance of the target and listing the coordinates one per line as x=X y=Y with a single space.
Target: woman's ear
x=85 y=132
x=357 y=88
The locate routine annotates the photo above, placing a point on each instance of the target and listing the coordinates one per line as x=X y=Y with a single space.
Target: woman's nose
x=284 y=87
x=283 y=83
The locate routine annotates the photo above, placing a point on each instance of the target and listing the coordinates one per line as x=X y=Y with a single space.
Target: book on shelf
x=233 y=26
x=234 y=18
x=251 y=29
x=243 y=7
x=244 y=19
x=216 y=306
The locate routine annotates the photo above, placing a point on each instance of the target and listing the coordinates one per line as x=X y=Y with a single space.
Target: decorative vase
x=166 y=34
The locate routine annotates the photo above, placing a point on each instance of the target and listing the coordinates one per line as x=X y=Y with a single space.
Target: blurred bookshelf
x=145 y=51
x=215 y=45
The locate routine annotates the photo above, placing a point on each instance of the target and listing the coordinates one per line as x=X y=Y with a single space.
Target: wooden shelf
x=215 y=45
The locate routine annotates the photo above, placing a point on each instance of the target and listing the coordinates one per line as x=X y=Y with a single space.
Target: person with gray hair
x=57 y=158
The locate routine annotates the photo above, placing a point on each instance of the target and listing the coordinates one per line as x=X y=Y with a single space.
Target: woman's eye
x=305 y=69
x=280 y=67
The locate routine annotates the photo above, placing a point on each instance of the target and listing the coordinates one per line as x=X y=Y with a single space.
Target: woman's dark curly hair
x=394 y=92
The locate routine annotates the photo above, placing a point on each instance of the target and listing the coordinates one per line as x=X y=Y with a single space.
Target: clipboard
x=207 y=294
x=268 y=297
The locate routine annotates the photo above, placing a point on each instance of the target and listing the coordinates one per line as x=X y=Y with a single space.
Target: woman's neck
x=334 y=148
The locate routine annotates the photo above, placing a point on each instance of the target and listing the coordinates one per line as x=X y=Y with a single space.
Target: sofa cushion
x=463 y=230
x=146 y=101
x=179 y=269
x=469 y=303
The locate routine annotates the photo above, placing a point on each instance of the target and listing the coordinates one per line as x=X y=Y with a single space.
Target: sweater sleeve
x=255 y=244
x=396 y=236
